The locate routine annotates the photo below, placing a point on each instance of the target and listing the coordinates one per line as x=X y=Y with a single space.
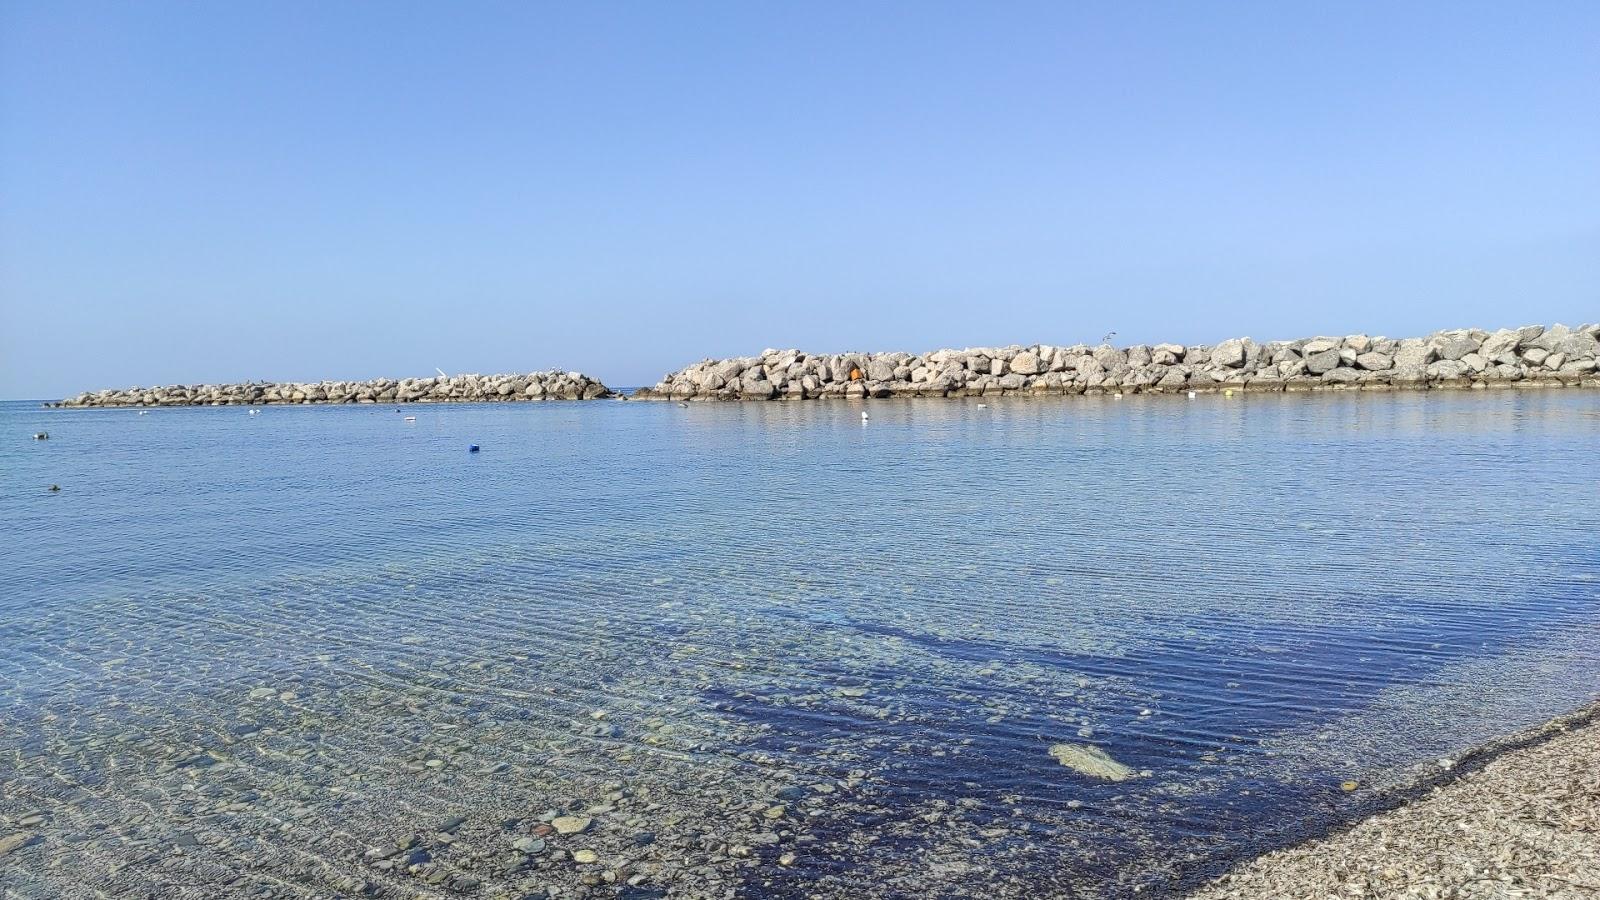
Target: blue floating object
x=473 y=448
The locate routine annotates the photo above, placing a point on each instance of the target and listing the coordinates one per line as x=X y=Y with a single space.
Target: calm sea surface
x=766 y=650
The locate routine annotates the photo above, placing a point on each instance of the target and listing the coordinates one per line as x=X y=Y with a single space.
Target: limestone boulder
x=1025 y=363
x=1452 y=345
x=1374 y=362
x=1229 y=354
x=1324 y=361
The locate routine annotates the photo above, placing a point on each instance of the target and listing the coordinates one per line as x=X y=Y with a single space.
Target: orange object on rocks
x=855 y=374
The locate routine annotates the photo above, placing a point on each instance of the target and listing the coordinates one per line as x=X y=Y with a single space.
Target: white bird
x=255 y=412
x=983 y=406
x=411 y=418
x=863 y=415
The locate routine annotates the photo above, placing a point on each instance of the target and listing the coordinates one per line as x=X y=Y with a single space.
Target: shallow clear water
x=240 y=652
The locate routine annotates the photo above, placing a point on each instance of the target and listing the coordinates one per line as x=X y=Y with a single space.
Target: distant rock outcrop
x=1530 y=356
x=552 y=385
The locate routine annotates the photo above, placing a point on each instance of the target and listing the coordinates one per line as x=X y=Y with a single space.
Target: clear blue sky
x=298 y=190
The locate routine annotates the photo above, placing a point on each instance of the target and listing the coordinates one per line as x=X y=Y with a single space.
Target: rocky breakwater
x=1468 y=358
x=552 y=385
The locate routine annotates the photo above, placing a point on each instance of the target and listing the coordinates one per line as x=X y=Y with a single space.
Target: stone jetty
x=1533 y=356
x=551 y=385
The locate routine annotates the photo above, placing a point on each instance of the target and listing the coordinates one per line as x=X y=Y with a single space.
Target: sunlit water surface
x=767 y=649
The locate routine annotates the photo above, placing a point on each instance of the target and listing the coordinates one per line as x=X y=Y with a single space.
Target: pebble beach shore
x=1526 y=824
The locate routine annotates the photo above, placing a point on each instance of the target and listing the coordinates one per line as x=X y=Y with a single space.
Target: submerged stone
x=13 y=842
x=571 y=824
x=1091 y=761
x=529 y=845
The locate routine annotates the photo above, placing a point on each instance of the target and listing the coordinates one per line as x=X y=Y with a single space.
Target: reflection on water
x=766 y=650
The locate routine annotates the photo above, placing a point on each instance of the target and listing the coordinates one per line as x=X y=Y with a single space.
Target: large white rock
x=1326 y=361
x=1373 y=361
x=1025 y=363
x=1229 y=353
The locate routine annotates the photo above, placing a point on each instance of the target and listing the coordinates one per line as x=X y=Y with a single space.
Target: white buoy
x=255 y=412
x=411 y=418
x=1117 y=396
x=983 y=406
x=1191 y=395
x=863 y=415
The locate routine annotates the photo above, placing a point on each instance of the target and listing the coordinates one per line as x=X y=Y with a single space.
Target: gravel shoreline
x=1519 y=817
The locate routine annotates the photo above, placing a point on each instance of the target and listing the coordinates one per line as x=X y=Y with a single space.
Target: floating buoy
x=55 y=488
x=983 y=406
x=1228 y=392
x=409 y=418
x=864 y=415
x=1349 y=786
x=1117 y=396
x=255 y=412
x=1191 y=395
x=42 y=436
x=472 y=448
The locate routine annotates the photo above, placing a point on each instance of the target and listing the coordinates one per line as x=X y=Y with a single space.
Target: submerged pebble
x=571 y=824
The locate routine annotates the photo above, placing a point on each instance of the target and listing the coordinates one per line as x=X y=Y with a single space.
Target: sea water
x=767 y=649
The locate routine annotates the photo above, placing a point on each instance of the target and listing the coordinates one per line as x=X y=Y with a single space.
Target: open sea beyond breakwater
x=1049 y=647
